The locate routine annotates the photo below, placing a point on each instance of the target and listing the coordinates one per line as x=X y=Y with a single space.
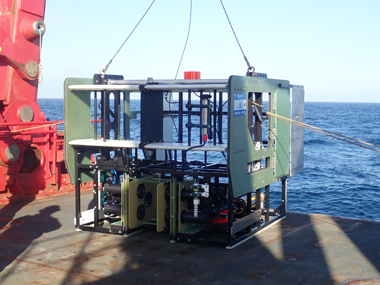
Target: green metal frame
x=282 y=139
x=124 y=201
x=241 y=148
x=242 y=153
x=77 y=116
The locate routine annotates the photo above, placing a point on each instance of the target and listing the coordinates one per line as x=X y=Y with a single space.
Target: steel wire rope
x=104 y=70
x=321 y=131
x=187 y=38
x=31 y=128
x=250 y=67
x=179 y=65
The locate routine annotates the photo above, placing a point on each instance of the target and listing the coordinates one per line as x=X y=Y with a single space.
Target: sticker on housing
x=240 y=102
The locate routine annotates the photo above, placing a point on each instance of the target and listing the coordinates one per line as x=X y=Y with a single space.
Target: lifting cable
x=104 y=70
x=250 y=67
x=187 y=38
x=322 y=131
x=179 y=65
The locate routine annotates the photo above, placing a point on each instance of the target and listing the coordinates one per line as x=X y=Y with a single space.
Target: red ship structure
x=31 y=149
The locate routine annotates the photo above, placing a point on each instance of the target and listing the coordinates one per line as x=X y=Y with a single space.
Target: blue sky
x=330 y=47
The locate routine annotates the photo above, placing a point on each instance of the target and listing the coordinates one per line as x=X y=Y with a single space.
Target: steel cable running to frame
x=321 y=131
x=179 y=65
x=187 y=38
x=250 y=67
x=104 y=70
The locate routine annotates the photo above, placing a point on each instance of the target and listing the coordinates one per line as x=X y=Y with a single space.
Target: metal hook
x=250 y=71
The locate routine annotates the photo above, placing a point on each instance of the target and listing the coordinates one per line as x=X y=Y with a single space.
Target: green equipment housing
x=195 y=160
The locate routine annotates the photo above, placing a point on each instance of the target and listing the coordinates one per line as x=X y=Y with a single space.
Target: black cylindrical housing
x=112 y=189
x=188 y=217
x=112 y=210
x=187 y=195
x=116 y=199
x=167 y=195
x=167 y=216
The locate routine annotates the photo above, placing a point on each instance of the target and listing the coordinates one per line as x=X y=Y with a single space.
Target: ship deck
x=39 y=245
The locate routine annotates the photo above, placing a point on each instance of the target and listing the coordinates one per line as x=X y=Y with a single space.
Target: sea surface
x=339 y=178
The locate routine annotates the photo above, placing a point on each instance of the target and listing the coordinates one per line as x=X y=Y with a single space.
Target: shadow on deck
x=38 y=245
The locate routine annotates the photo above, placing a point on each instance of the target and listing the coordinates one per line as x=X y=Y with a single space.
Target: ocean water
x=339 y=179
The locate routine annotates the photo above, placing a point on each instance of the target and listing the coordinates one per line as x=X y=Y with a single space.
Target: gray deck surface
x=38 y=245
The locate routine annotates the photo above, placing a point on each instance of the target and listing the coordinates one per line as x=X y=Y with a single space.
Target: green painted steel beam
x=77 y=116
x=241 y=147
x=282 y=141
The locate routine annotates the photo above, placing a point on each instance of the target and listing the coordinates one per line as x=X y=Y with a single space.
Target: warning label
x=240 y=104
